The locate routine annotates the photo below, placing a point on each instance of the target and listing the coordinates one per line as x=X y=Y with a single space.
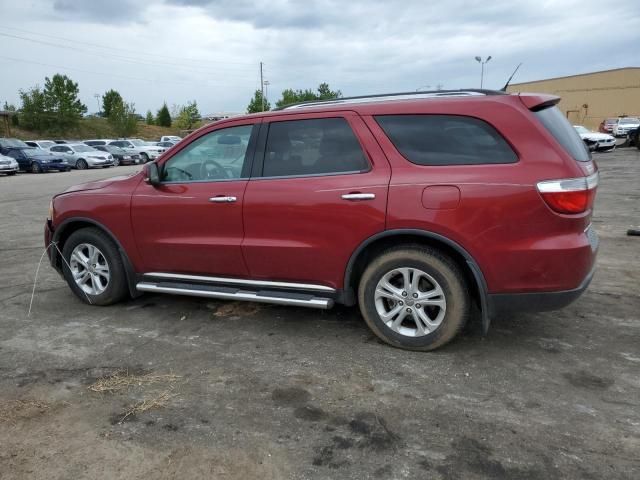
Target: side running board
x=232 y=293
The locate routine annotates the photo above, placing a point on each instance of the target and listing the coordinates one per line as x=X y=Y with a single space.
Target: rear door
x=192 y=222
x=318 y=190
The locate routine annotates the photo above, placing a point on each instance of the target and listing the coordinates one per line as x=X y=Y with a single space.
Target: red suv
x=415 y=207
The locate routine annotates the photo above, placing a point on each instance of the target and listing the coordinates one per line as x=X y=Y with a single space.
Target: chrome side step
x=238 y=281
x=230 y=293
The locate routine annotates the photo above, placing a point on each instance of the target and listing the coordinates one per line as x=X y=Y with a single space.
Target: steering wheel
x=217 y=172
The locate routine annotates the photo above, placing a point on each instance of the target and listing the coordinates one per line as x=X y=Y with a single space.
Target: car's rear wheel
x=82 y=164
x=35 y=167
x=93 y=267
x=414 y=298
x=116 y=162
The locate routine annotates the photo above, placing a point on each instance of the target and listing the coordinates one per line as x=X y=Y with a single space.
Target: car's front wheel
x=35 y=167
x=93 y=267
x=414 y=298
x=145 y=157
x=82 y=164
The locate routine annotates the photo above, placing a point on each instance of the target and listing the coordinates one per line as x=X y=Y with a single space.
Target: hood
x=98 y=184
x=596 y=136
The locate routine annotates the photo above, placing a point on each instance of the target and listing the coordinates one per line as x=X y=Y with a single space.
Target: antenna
x=504 y=89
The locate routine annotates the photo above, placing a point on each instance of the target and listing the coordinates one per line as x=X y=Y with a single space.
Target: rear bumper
x=499 y=303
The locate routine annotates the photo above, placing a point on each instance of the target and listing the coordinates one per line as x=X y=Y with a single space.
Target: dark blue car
x=37 y=161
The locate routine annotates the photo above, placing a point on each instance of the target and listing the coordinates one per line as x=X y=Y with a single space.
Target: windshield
x=12 y=142
x=46 y=144
x=629 y=121
x=83 y=148
x=114 y=149
x=581 y=129
x=138 y=143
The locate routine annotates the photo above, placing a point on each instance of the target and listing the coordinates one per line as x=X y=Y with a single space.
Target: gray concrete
x=275 y=392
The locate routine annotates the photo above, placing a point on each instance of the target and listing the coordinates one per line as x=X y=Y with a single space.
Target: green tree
x=109 y=99
x=61 y=102
x=9 y=107
x=123 y=118
x=34 y=116
x=256 y=105
x=149 y=118
x=187 y=116
x=323 y=92
x=164 y=117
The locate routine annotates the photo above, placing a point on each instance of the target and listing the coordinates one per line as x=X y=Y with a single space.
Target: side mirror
x=153 y=174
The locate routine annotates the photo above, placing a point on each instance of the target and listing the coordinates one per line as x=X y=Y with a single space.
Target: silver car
x=82 y=156
x=8 y=165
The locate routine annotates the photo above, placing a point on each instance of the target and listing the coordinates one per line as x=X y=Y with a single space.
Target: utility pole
x=266 y=91
x=97 y=95
x=261 y=87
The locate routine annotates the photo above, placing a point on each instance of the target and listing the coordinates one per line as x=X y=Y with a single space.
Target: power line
x=117 y=57
x=149 y=80
x=146 y=54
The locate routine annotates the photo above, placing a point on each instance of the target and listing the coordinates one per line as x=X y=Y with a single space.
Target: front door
x=192 y=222
x=319 y=189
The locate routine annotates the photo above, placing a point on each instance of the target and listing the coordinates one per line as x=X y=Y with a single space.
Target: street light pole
x=482 y=62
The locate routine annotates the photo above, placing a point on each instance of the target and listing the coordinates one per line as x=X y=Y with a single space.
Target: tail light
x=571 y=195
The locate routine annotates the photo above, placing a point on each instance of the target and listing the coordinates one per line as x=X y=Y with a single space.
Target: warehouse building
x=589 y=98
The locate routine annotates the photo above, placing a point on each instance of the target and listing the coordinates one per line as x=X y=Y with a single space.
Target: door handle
x=223 y=199
x=354 y=197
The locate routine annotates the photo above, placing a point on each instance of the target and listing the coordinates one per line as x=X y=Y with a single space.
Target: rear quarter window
x=446 y=140
x=558 y=126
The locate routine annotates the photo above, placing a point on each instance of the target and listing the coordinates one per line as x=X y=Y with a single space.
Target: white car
x=596 y=140
x=41 y=144
x=8 y=165
x=170 y=138
x=624 y=124
x=82 y=156
x=147 y=151
x=97 y=141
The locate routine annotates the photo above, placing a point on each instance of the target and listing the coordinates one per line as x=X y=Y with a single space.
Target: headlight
x=44 y=161
x=110 y=157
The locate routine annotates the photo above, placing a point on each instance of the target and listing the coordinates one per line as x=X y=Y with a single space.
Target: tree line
x=291 y=96
x=57 y=108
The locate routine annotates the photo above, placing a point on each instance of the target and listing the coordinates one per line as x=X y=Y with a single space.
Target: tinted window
x=219 y=155
x=446 y=140
x=312 y=147
x=558 y=126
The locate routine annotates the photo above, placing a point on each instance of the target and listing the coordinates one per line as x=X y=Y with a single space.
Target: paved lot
x=273 y=392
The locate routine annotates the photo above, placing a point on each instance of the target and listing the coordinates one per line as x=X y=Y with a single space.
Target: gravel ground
x=227 y=390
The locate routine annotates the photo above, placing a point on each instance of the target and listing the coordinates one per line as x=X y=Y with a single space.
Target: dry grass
x=15 y=410
x=148 y=404
x=122 y=380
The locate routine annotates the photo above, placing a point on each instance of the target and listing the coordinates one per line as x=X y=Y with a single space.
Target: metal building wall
x=589 y=98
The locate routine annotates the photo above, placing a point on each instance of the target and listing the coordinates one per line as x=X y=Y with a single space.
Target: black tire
x=145 y=157
x=35 y=168
x=82 y=164
x=117 y=287
x=11 y=173
x=432 y=262
x=116 y=162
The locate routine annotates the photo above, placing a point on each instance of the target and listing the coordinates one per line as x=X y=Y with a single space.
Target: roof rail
x=383 y=97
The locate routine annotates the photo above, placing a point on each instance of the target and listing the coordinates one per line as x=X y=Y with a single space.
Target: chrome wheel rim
x=410 y=302
x=90 y=269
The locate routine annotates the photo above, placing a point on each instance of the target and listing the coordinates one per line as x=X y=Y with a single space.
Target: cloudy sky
x=209 y=50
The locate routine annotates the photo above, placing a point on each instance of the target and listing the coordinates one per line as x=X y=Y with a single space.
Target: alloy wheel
x=90 y=269
x=410 y=302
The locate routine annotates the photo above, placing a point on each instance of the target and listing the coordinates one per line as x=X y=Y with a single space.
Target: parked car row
x=38 y=156
x=619 y=127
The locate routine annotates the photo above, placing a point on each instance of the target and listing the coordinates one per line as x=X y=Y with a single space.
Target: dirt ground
x=166 y=387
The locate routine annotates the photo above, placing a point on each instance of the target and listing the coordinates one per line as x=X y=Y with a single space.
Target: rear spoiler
x=538 y=101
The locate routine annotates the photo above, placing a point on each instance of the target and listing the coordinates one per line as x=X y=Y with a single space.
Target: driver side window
x=218 y=155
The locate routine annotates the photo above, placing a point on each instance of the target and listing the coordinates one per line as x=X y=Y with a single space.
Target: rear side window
x=312 y=147
x=558 y=126
x=446 y=140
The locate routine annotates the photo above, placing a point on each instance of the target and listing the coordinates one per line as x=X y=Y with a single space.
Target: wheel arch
x=70 y=225
x=389 y=238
